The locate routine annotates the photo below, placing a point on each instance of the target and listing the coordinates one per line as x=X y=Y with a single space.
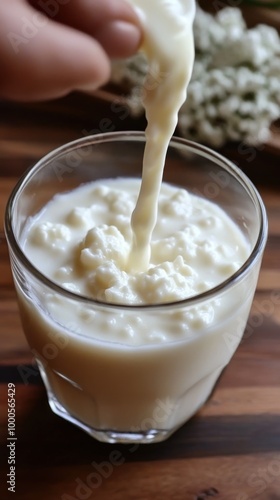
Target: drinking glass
x=115 y=391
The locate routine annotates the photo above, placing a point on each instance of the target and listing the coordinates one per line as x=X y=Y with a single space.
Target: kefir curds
x=195 y=246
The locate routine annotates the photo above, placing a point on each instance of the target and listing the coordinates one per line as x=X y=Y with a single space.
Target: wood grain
x=229 y=451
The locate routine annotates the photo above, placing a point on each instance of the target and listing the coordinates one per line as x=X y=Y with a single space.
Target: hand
x=49 y=48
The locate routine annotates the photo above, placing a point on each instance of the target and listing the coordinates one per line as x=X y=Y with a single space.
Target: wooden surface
x=229 y=451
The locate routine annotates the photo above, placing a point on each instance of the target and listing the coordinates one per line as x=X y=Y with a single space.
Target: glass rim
x=139 y=136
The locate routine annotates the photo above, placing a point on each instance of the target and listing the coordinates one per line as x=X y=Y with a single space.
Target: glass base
x=62 y=392
x=103 y=435
x=109 y=435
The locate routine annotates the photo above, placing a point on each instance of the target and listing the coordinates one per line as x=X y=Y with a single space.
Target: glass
x=114 y=391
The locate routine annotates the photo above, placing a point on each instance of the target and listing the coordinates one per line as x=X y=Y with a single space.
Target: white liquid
x=169 y=47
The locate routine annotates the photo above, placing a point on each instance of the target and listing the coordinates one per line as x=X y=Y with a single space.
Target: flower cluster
x=234 y=93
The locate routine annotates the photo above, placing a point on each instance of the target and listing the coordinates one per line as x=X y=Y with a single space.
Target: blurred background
x=238 y=117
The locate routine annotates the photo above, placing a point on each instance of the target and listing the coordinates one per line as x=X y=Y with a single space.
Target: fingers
x=113 y=23
x=42 y=58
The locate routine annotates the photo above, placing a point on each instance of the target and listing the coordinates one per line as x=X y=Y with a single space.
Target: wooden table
x=230 y=450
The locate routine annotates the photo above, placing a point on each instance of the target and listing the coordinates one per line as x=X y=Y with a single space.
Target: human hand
x=49 y=48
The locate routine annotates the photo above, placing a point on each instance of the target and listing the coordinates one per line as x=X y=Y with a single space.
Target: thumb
x=42 y=59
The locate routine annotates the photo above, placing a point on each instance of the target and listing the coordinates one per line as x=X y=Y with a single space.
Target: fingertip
x=93 y=75
x=119 y=38
x=86 y=65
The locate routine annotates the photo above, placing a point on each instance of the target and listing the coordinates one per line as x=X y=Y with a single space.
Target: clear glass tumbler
x=114 y=391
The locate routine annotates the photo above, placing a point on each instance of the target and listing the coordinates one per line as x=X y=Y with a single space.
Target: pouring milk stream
x=169 y=47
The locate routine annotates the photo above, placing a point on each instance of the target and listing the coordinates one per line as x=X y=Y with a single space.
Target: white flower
x=234 y=93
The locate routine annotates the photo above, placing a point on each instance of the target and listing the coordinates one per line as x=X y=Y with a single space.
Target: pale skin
x=49 y=48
